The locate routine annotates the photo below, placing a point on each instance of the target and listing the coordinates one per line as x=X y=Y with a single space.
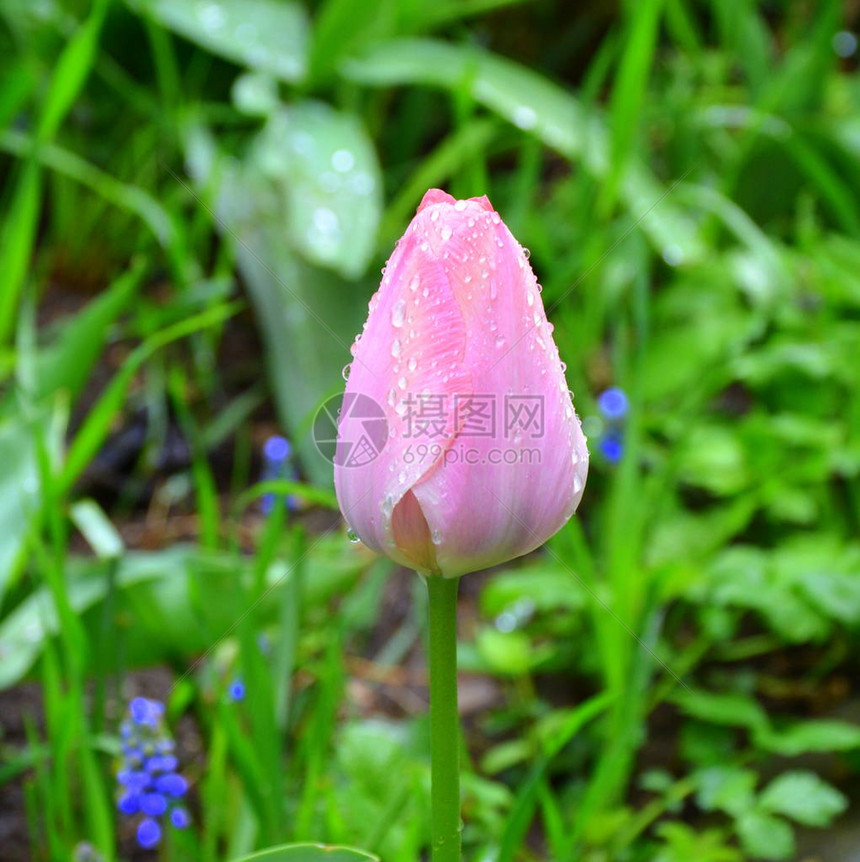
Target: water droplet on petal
x=412 y=364
x=345 y=371
x=352 y=535
x=402 y=383
x=530 y=298
x=445 y=233
x=461 y=205
x=395 y=348
x=398 y=313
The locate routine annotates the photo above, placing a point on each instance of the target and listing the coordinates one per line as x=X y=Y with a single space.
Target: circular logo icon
x=368 y=429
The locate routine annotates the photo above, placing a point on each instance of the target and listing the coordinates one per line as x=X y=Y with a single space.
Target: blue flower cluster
x=613 y=404
x=149 y=782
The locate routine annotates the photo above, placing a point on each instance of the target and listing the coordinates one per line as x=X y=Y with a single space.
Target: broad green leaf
x=536 y=105
x=727 y=788
x=764 y=836
x=308 y=853
x=324 y=164
x=808 y=736
x=732 y=709
x=804 y=797
x=19 y=500
x=266 y=35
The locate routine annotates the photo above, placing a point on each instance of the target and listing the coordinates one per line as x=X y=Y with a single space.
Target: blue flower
x=236 y=690
x=161 y=763
x=276 y=455
x=148 y=780
x=146 y=711
x=179 y=818
x=153 y=804
x=133 y=779
x=173 y=784
x=129 y=803
x=612 y=446
x=148 y=833
x=613 y=403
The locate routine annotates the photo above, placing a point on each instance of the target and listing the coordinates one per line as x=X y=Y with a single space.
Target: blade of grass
x=19 y=227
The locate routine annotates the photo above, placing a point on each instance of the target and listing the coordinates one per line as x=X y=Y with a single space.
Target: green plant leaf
x=808 y=736
x=265 y=35
x=804 y=797
x=308 y=853
x=732 y=709
x=764 y=836
x=727 y=788
x=19 y=500
x=324 y=164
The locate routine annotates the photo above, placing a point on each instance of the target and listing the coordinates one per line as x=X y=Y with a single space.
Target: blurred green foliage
x=685 y=175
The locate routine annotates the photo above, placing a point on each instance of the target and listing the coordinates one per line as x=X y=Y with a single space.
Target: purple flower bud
x=148 y=833
x=133 y=779
x=613 y=403
x=153 y=804
x=276 y=449
x=129 y=803
x=612 y=447
x=236 y=691
x=161 y=763
x=173 y=784
x=146 y=711
x=179 y=818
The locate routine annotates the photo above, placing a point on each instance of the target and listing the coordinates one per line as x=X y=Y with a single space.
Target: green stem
x=444 y=720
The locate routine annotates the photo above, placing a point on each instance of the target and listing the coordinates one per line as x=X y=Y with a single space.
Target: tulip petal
x=413 y=346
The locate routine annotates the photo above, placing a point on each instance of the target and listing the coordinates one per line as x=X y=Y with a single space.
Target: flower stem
x=444 y=720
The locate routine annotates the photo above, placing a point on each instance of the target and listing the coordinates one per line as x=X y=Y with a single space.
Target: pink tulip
x=474 y=454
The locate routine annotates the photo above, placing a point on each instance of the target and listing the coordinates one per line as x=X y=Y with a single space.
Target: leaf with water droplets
x=266 y=35
x=329 y=173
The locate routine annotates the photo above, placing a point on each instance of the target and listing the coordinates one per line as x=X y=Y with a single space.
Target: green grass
x=684 y=174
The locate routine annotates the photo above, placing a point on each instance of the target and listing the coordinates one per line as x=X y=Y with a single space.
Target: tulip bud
x=458 y=446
